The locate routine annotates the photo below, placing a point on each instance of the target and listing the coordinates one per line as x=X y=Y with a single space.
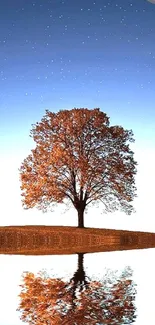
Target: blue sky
x=64 y=54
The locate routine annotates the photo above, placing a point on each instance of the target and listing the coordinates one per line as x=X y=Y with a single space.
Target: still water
x=98 y=288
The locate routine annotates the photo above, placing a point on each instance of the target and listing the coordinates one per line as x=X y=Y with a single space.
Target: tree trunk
x=81 y=218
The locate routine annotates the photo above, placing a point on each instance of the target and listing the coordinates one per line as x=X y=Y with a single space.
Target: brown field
x=49 y=240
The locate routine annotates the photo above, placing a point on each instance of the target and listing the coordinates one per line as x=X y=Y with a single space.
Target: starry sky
x=64 y=54
x=61 y=54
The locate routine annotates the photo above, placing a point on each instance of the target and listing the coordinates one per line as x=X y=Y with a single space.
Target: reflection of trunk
x=79 y=276
x=80 y=262
x=79 y=280
x=80 y=218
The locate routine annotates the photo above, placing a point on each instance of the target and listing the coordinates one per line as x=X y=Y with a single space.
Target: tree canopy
x=81 y=158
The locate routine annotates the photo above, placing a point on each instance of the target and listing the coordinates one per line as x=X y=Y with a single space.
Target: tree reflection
x=79 y=301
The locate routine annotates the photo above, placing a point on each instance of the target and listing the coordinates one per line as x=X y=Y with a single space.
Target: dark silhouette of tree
x=81 y=159
x=80 y=301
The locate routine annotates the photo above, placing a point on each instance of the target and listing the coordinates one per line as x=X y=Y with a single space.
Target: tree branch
x=94 y=193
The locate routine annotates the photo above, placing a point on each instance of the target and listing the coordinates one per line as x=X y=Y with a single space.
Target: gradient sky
x=65 y=54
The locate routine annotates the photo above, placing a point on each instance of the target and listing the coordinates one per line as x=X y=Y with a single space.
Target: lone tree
x=81 y=158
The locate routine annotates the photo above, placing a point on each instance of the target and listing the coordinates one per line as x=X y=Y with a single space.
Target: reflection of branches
x=80 y=301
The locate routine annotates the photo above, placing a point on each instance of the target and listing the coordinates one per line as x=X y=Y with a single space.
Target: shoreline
x=55 y=240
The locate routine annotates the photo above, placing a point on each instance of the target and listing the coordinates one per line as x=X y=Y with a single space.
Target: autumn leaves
x=79 y=157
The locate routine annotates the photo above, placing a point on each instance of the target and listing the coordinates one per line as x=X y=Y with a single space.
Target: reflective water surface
x=99 y=288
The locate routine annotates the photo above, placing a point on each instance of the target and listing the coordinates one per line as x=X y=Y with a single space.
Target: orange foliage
x=45 y=301
x=79 y=157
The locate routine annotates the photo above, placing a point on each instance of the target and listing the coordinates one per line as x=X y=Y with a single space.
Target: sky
x=64 y=54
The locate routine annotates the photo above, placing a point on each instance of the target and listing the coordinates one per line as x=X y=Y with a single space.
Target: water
x=117 y=286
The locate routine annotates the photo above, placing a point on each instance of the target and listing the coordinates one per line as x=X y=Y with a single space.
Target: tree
x=79 y=301
x=81 y=158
